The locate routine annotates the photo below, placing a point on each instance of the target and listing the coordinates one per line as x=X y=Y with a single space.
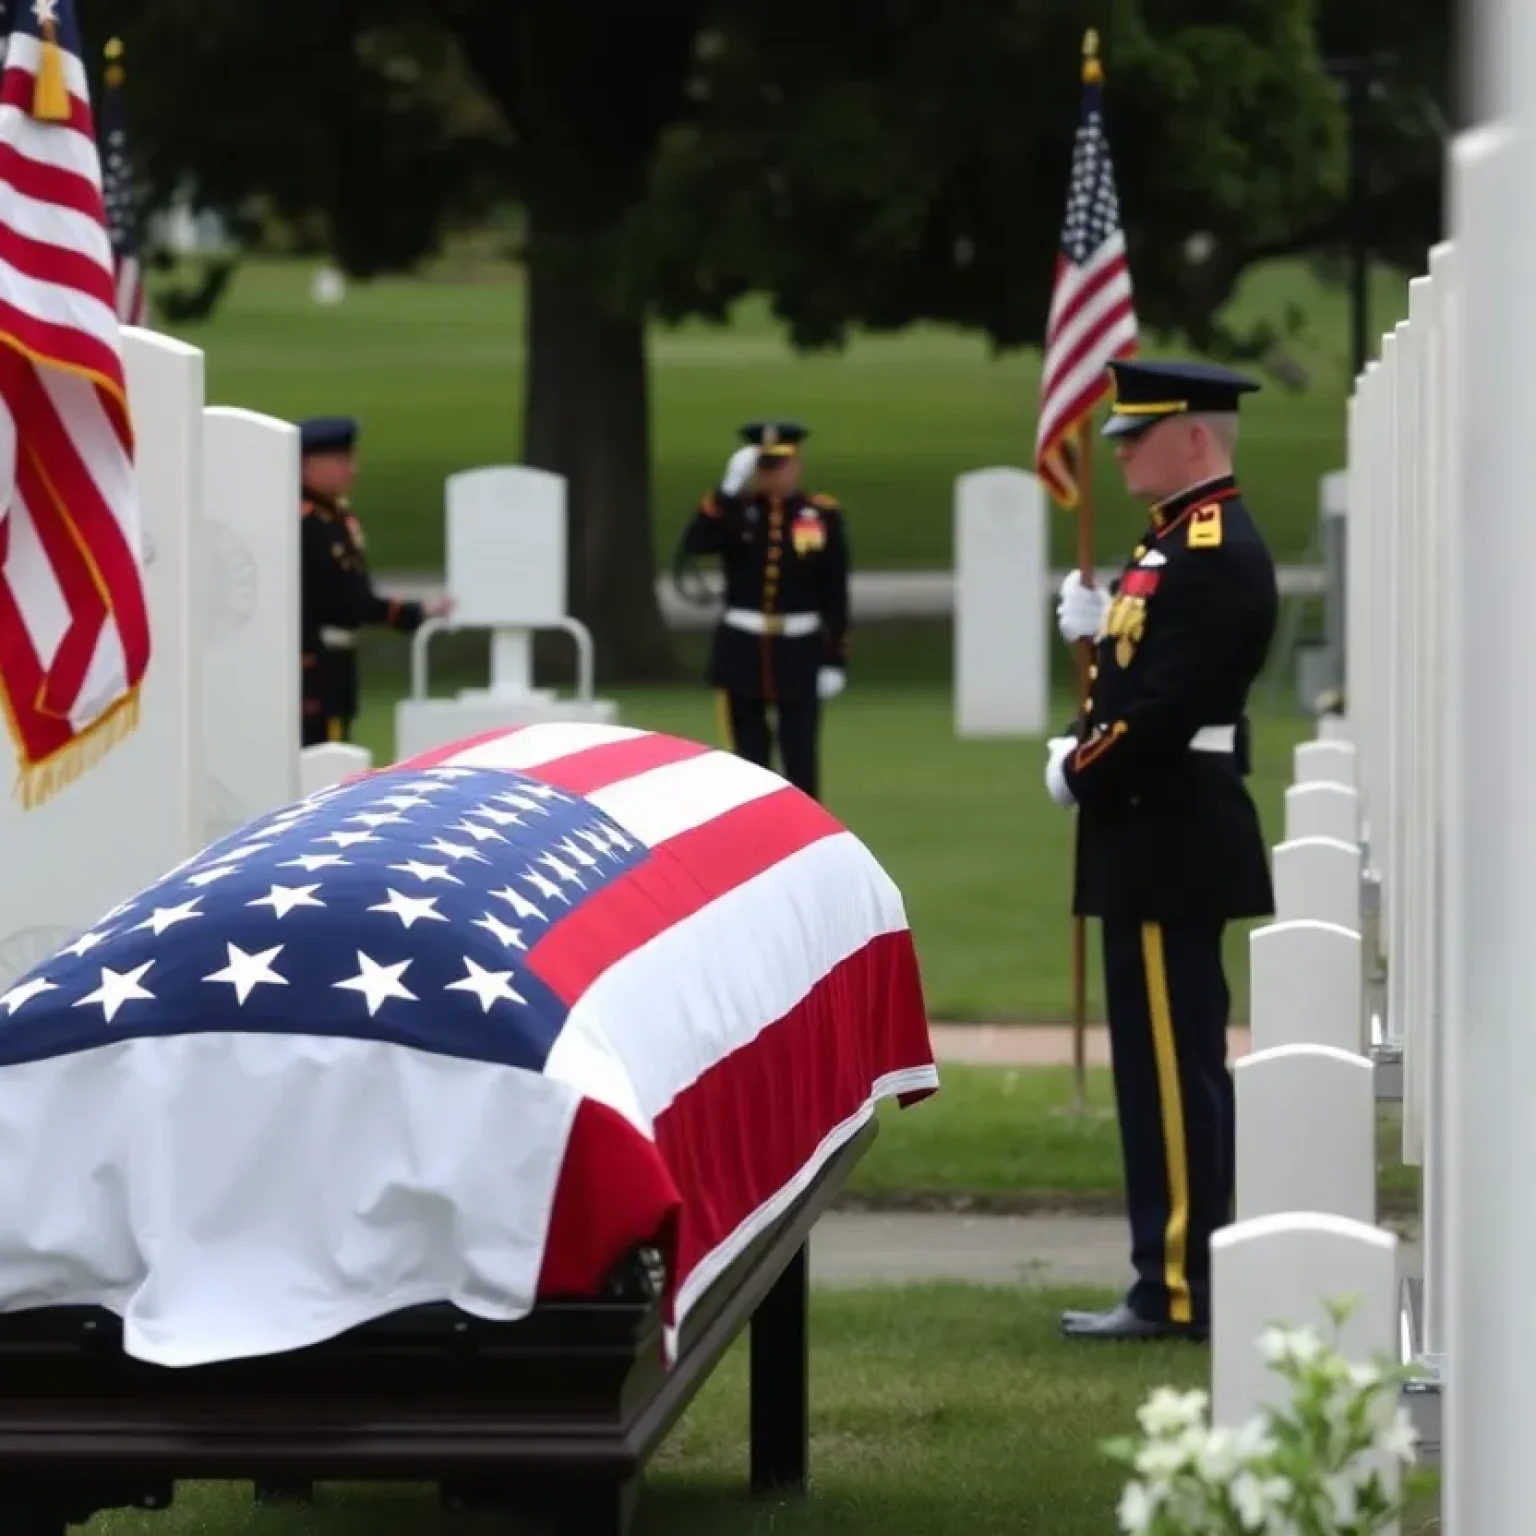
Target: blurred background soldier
x=336 y=595
x=782 y=640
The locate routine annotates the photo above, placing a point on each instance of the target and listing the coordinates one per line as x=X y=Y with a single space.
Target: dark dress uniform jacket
x=781 y=557
x=1166 y=832
x=336 y=600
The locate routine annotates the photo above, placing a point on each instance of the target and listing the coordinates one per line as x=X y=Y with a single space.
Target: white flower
x=1293 y=1346
x=1138 y=1508
x=1343 y=1494
x=1401 y=1439
x=1169 y=1412
x=1159 y=1461
x=1364 y=1377
x=1257 y=1498
x=1220 y=1458
x=1254 y=1441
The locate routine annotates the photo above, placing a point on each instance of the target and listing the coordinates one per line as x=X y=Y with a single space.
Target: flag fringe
x=37 y=783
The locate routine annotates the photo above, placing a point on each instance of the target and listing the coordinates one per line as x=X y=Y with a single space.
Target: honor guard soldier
x=336 y=592
x=1169 y=848
x=782 y=641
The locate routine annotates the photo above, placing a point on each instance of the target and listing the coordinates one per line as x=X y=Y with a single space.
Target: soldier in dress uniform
x=782 y=641
x=336 y=592
x=1169 y=848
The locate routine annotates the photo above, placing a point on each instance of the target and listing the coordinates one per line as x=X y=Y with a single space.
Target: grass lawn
x=934 y=1408
x=997 y=1139
x=432 y=365
x=964 y=827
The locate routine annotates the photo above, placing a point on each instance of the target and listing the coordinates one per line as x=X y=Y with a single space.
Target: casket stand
x=551 y=1418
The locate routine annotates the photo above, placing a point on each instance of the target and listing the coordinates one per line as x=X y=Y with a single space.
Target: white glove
x=1081 y=610
x=738 y=469
x=830 y=682
x=1058 y=749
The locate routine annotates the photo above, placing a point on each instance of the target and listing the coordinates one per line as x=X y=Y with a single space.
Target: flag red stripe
x=680 y=878
x=740 y=1133
x=45 y=262
x=96 y=526
x=595 y=768
x=18 y=89
x=45 y=183
x=74 y=349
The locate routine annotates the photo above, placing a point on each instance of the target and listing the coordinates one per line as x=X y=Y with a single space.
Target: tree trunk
x=587 y=417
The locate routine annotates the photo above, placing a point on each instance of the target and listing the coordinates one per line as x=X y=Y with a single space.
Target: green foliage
x=866 y=166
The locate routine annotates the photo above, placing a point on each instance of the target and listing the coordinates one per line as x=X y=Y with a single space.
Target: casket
x=445 y=1126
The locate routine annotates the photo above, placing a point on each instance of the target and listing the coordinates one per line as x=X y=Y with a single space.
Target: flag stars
x=419 y=871
x=373 y=819
x=378 y=983
x=480 y=834
x=163 y=918
x=247 y=972
x=410 y=909
x=544 y=886
x=310 y=862
x=519 y=903
x=284 y=898
x=23 y=993
x=87 y=942
x=510 y=937
x=455 y=851
x=403 y=802
x=347 y=839
x=488 y=987
x=560 y=869
x=117 y=988
x=217 y=872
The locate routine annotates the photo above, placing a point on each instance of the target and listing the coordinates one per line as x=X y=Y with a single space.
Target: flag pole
x=1084 y=658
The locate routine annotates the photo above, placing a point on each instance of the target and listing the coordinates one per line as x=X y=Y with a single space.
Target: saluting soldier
x=1169 y=847
x=336 y=592
x=782 y=641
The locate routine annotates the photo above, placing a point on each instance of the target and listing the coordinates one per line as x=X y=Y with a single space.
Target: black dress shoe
x=1121 y=1325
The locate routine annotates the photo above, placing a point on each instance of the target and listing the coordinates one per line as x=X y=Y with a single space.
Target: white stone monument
x=1307 y=985
x=329 y=763
x=1003 y=627
x=138 y=812
x=1322 y=810
x=1332 y=1168
x=1318 y=877
x=250 y=616
x=506 y=546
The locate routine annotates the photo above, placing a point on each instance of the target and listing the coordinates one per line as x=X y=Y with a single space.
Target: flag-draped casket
x=468 y=1030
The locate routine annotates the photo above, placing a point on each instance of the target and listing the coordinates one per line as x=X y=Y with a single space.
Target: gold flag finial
x=1093 y=71
x=114 y=53
x=50 y=90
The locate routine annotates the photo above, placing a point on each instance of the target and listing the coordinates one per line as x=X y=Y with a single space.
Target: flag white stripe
x=49 y=145
x=538 y=744
x=1079 y=326
x=710 y=984
x=1071 y=280
x=1085 y=375
x=49 y=224
x=78 y=404
x=664 y=802
x=26 y=53
x=56 y=304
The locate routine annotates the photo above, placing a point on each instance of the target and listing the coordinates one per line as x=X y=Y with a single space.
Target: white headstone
x=1333 y=728
x=1332 y=1168
x=1331 y=762
x=331 y=762
x=1002 y=608
x=1283 y=1271
x=506 y=548
x=251 y=616
x=1307 y=985
x=1322 y=810
x=1318 y=877
x=138 y=812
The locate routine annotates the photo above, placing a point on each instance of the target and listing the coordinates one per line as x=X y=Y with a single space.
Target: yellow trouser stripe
x=1175 y=1150
x=333 y=728
x=723 y=719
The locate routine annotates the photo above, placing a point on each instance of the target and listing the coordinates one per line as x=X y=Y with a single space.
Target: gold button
x=1093 y=672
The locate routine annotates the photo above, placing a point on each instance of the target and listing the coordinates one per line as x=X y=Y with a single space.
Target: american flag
x=466 y=1030
x=118 y=191
x=74 y=630
x=1093 y=315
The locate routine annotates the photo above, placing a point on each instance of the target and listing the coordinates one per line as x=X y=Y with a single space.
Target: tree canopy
x=863 y=165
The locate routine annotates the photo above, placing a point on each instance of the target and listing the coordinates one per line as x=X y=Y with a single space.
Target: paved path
x=873 y=594
x=1035 y=1045
x=859 y=1248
